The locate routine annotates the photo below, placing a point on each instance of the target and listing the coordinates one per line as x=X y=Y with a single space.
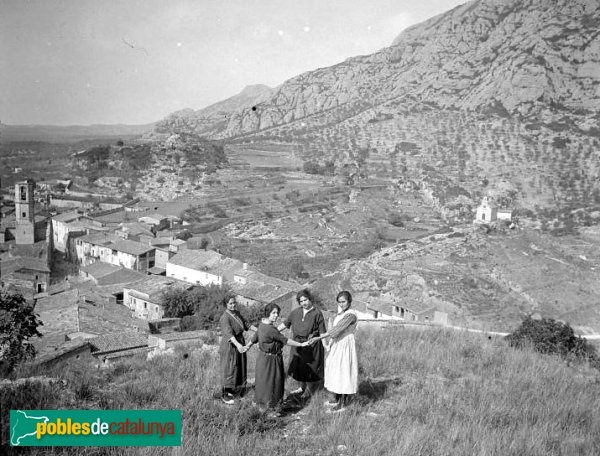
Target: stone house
x=24 y=273
x=256 y=289
x=114 y=250
x=144 y=297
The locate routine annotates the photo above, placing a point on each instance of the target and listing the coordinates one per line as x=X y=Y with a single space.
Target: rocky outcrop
x=213 y=118
x=509 y=56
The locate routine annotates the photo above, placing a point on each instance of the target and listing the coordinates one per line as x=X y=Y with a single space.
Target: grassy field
x=422 y=392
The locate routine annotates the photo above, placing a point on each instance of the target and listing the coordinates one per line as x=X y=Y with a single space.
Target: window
x=156 y=309
x=23 y=193
x=145 y=305
x=24 y=214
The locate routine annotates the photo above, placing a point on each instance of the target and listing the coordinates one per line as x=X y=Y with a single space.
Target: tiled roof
x=121 y=277
x=33 y=264
x=67 y=216
x=136 y=228
x=72 y=346
x=131 y=247
x=118 y=341
x=100 y=269
x=115 y=242
x=123 y=353
x=196 y=259
x=184 y=335
x=98 y=238
x=155 y=285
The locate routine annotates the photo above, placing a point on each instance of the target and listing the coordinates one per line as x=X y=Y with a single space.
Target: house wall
x=141 y=305
x=61 y=232
x=192 y=275
x=88 y=253
x=36 y=281
x=161 y=257
x=504 y=215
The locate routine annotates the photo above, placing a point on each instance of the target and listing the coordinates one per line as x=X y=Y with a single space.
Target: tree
x=203 y=302
x=18 y=323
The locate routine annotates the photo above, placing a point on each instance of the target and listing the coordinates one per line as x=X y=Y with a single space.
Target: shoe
x=228 y=399
x=338 y=408
x=297 y=391
x=330 y=403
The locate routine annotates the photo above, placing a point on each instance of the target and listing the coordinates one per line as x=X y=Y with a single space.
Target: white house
x=506 y=214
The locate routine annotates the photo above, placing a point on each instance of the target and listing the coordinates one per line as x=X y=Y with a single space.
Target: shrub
x=553 y=337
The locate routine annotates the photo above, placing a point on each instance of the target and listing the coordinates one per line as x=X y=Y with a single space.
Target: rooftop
x=118 y=341
x=154 y=285
x=197 y=259
x=100 y=269
x=67 y=216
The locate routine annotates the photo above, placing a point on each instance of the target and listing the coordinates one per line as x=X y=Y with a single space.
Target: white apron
x=341 y=364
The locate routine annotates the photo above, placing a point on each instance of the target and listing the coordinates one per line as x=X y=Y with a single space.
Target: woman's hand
x=242 y=348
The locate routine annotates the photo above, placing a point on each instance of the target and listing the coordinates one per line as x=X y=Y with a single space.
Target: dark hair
x=345 y=294
x=269 y=308
x=304 y=293
x=226 y=299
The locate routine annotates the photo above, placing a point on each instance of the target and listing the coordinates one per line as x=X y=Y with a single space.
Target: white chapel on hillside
x=487 y=212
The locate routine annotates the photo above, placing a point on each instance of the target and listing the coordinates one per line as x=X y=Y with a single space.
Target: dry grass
x=422 y=392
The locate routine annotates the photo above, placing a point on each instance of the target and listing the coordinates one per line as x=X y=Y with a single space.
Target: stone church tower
x=25 y=212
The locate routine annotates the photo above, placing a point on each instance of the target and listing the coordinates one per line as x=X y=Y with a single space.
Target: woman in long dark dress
x=307 y=364
x=232 y=351
x=270 y=373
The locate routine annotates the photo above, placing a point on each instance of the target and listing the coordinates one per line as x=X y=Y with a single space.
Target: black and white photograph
x=309 y=228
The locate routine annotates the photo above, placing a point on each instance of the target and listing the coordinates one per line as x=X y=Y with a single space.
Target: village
x=97 y=277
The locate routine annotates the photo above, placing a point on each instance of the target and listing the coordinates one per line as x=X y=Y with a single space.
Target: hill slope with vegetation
x=422 y=392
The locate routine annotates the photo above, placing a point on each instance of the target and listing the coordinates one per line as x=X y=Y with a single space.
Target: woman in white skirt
x=341 y=364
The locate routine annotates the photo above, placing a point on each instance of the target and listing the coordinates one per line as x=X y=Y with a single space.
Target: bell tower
x=25 y=212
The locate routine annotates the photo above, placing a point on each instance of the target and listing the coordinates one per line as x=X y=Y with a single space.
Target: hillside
x=494 y=97
x=421 y=393
x=213 y=118
x=511 y=56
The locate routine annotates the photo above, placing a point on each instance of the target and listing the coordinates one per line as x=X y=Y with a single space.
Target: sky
x=83 y=62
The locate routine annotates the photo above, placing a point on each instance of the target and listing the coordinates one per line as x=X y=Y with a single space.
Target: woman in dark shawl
x=232 y=351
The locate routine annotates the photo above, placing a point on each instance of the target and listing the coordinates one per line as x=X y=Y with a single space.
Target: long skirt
x=270 y=379
x=341 y=368
x=307 y=363
x=233 y=367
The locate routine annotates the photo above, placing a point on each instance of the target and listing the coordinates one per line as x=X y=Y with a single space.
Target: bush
x=553 y=337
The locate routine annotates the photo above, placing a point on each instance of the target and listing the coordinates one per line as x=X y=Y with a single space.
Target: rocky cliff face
x=214 y=118
x=515 y=57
